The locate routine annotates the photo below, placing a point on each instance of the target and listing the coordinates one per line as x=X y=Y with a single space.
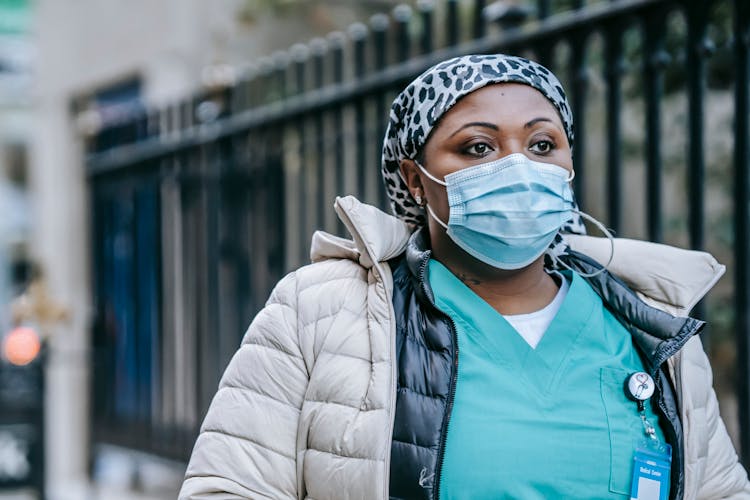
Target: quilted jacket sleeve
x=722 y=475
x=247 y=444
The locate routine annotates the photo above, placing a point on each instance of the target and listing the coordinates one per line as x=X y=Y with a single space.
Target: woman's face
x=488 y=124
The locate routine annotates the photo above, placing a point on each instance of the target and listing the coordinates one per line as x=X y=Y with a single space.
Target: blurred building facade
x=93 y=60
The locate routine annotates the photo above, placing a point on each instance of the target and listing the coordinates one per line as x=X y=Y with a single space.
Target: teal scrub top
x=550 y=422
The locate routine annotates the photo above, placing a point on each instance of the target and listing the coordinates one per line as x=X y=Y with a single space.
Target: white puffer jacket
x=305 y=407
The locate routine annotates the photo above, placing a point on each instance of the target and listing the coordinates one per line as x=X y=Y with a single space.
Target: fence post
x=655 y=61
x=402 y=16
x=613 y=74
x=319 y=47
x=426 y=11
x=300 y=55
x=379 y=24
x=579 y=78
x=358 y=33
x=742 y=218
x=542 y=9
x=451 y=20
x=480 y=28
x=336 y=42
x=698 y=49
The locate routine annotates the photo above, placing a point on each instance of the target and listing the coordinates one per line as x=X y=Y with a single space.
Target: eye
x=542 y=147
x=478 y=149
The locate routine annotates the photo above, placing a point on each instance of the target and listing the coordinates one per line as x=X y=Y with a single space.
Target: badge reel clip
x=653 y=458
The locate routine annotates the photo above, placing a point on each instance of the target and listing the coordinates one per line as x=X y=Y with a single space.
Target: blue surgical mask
x=506 y=212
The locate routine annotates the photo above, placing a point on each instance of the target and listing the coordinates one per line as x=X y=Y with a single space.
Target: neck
x=518 y=291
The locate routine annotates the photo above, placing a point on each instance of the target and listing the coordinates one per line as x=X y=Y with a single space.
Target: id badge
x=651 y=466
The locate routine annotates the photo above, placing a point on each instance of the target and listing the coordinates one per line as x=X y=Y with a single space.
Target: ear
x=410 y=174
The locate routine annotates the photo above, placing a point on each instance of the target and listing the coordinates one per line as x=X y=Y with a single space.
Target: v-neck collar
x=488 y=329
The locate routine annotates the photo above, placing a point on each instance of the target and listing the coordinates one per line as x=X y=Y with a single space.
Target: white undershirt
x=532 y=326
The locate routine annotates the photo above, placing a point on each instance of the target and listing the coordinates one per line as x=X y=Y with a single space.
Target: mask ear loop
x=606 y=233
x=427 y=205
x=429 y=175
x=432 y=214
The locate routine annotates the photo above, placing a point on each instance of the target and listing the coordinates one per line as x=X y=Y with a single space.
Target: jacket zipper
x=451 y=388
x=394 y=376
x=671 y=436
x=448 y=411
x=659 y=368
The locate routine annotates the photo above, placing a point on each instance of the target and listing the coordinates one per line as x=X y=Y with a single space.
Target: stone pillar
x=60 y=245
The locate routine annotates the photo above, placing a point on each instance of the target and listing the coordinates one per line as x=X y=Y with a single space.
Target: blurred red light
x=21 y=346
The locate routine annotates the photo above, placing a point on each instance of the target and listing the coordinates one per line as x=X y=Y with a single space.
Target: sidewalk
x=93 y=493
x=118 y=474
x=17 y=495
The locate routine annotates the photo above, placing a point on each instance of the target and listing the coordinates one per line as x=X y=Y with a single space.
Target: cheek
x=437 y=197
x=564 y=159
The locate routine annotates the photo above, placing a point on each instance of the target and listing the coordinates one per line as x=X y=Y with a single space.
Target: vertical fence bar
x=261 y=138
x=480 y=27
x=542 y=9
x=318 y=47
x=300 y=56
x=207 y=180
x=336 y=41
x=281 y=67
x=544 y=53
x=426 y=14
x=614 y=69
x=265 y=87
x=698 y=48
x=153 y=125
x=253 y=87
x=182 y=116
x=358 y=33
x=379 y=25
x=697 y=16
x=655 y=60
x=141 y=125
x=451 y=21
x=275 y=210
x=580 y=87
x=240 y=95
x=742 y=217
x=402 y=16
x=228 y=228
x=234 y=234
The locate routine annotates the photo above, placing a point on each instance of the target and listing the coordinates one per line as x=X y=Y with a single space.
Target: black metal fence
x=201 y=206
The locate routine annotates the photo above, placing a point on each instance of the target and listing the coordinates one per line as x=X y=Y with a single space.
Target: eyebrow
x=476 y=124
x=533 y=122
x=492 y=126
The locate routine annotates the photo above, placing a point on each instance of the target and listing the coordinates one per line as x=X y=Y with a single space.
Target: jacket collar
x=669 y=278
x=376 y=236
x=658 y=334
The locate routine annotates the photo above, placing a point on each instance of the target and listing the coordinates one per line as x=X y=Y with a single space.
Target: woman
x=463 y=349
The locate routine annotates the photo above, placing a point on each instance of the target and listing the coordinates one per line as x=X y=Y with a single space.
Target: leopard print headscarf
x=417 y=109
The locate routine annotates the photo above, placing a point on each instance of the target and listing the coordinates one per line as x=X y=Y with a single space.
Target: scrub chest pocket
x=625 y=428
